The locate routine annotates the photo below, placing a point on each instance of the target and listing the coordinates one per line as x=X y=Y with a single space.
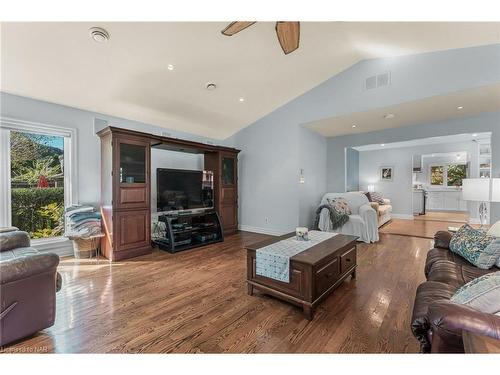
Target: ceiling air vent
x=379 y=80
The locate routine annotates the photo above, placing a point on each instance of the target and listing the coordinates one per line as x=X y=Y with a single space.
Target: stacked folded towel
x=82 y=221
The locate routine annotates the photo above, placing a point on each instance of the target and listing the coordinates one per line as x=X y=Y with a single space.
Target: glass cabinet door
x=228 y=169
x=132 y=163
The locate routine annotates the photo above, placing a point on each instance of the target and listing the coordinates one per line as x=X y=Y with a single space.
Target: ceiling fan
x=288 y=33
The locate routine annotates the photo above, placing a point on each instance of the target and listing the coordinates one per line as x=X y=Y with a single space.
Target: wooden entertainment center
x=126 y=187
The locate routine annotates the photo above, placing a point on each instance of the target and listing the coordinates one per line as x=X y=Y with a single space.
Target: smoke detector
x=99 y=35
x=210 y=86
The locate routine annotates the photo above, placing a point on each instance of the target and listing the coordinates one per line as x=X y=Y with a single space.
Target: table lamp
x=481 y=190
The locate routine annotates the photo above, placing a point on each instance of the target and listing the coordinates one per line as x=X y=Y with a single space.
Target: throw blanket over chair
x=363 y=221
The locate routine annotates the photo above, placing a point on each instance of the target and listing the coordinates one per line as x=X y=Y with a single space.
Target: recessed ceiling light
x=170 y=67
x=460 y=107
x=382 y=144
x=389 y=116
x=99 y=35
x=241 y=100
x=210 y=86
x=354 y=126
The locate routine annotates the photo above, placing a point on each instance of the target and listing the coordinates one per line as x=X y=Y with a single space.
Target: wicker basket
x=86 y=247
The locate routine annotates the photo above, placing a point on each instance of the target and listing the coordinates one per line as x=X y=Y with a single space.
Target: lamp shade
x=476 y=189
x=371 y=188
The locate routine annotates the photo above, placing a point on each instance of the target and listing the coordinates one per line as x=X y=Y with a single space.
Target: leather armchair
x=28 y=284
x=448 y=320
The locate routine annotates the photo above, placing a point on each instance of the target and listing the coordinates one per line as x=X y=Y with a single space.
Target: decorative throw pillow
x=340 y=205
x=482 y=294
x=475 y=246
x=377 y=197
x=495 y=232
x=368 y=195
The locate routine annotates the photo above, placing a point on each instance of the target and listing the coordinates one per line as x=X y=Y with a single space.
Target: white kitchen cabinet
x=418 y=202
x=446 y=201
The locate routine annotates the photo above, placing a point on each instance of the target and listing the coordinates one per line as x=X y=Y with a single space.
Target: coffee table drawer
x=347 y=260
x=327 y=275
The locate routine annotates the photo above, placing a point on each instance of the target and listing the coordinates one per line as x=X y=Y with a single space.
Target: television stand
x=188 y=230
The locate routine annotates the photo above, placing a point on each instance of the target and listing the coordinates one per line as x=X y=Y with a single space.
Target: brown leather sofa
x=28 y=284
x=436 y=322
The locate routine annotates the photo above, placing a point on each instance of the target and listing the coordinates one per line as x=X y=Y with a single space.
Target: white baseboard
x=402 y=216
x=272 y=232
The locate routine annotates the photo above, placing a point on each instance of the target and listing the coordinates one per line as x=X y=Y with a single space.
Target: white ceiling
x=455 y=138
x=128 y=77
x=435 y=108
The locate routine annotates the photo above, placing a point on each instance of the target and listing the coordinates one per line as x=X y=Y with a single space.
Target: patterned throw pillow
x=475 y=246
x=377 y=197
x=482 y=294
x=340 y=205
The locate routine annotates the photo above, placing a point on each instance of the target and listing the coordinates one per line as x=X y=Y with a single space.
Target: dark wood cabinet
x=224 y=165
x=126 y=187
x=125 y=194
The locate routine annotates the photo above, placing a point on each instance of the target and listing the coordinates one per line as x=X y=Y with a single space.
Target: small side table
x=474 y=343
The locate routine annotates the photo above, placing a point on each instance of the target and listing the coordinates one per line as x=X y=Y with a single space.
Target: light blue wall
x=352 y=169
x=88 y=146
x=487 y=122
x=275 y=147
x=272 y=147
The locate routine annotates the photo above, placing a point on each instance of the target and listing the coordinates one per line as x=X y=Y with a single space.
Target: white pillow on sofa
x=482 y=294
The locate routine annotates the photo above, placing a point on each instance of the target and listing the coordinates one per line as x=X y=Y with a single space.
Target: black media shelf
x=185 y=231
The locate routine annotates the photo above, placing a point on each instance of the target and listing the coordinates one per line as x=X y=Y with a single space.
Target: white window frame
x=70 y=166
x=445 y=174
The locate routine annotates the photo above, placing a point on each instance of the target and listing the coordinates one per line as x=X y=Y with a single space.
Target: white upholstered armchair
x=363 y=222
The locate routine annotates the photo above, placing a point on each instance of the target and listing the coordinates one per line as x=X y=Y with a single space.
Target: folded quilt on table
x=273 y=261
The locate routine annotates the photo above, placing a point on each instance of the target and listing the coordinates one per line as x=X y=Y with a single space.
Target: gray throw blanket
x=336 y=218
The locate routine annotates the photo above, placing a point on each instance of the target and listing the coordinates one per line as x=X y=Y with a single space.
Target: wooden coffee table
x=314 y=273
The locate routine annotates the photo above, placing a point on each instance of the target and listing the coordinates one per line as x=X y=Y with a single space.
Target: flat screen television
x=179 y=189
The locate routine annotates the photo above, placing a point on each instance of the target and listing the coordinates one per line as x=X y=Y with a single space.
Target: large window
x=36 y=177
x=450 y=175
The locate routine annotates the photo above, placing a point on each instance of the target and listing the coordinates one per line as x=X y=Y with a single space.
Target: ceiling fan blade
x=236 y=27
x=288 y=35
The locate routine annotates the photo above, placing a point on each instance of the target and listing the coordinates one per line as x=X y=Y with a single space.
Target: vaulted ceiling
x=129 y=77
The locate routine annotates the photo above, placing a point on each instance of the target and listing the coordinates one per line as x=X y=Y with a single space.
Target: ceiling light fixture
x=382 y=144
x=460 y=107
x=353 y=126
x=474 y=135
x=210 y=86
x=389 y=116
x=98 y=34
x=241 y=100
x=170 y=67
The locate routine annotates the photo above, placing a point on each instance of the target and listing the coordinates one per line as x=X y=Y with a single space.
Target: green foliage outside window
x=34 y=158
x=38 y=211
x=456 y=173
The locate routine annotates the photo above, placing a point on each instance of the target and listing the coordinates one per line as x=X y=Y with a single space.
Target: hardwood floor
x=196 y=302
x=448 y=216
x=416 y=228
